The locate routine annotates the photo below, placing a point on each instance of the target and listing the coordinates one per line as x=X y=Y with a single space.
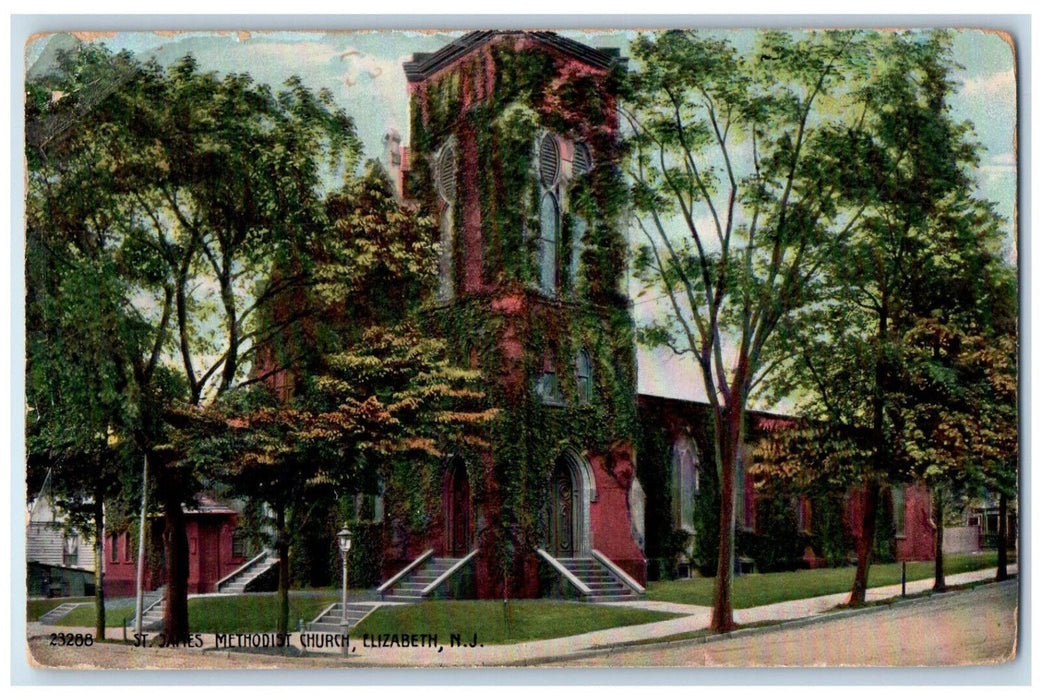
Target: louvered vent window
x=445 y=174
x=581 y=161
x=549 y=161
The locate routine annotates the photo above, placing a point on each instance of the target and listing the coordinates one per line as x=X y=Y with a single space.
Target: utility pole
x=139 y=603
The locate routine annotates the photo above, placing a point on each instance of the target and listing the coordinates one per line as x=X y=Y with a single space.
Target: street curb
x=886 y=604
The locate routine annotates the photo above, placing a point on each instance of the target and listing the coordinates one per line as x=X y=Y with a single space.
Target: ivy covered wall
x=495 y=104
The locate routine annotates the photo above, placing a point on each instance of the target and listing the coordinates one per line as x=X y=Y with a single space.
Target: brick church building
x=515 y=149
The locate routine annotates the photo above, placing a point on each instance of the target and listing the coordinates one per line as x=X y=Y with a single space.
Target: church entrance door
x=459 y=512
x=563 y=521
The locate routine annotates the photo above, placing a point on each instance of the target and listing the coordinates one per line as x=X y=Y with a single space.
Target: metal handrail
x=323 y=613
x=148 y=608
x=617 y=572
x=448 y=573
x=394 y=579
x=242 y=568
x=563 y=570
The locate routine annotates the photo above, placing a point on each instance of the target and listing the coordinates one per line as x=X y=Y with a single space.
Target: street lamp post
x=344 y=540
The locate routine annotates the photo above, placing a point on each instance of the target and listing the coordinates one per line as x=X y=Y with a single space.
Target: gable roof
x=423 y=65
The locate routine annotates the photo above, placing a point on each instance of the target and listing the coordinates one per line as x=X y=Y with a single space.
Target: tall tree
x=746 y=171
x=192 y=187
x=81 y=392
x=366 y=384
x=958 y=390
x=916 y=256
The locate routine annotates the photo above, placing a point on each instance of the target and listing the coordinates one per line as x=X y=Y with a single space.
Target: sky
x=363 y=70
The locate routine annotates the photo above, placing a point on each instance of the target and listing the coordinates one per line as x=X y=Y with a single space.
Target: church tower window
x=547 y=388
x=584 y=375
x=685 y=484
x=548 y=249
x=445 y=182
x=549 y=233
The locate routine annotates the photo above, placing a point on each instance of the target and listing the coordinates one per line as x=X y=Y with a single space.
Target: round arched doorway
x=568 y=507
x=459 y=539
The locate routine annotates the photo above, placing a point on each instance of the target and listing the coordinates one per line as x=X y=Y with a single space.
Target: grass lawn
x=491 y=621
x=752 y=590
x=253 y=613
x=497 y=623
x=83 y=616
x=247 y=613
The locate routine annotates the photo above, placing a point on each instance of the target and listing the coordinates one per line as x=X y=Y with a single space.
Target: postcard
x=512 y=347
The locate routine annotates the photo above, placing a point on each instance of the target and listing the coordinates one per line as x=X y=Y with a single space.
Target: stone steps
x=410 y=589
x=334 y=619
x=237 y=584
x=52 y=616
x=152 y=604
x=604 y=586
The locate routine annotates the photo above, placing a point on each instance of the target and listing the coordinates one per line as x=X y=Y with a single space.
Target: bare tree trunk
x=938 y=540
x=865 y=542
x=175 y=545
x=1003 y=571
x=870 y=502
x=99 y=563
x=728 y=445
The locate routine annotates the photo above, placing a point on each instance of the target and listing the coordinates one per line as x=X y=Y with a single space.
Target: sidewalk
x=695 y=618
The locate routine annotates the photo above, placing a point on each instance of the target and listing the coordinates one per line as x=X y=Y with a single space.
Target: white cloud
x=1000 y=163
x=378 y=88
x=290 y=54
x=1001 y=86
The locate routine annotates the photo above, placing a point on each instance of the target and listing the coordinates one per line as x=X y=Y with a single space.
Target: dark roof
x=700 y=405
x=424 y=65
x=205 y=505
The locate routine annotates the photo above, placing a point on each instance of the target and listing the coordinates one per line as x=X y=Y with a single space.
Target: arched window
x=584 y=375
x=549 y=234
x=685 y=484
x=546 y=386
x=578 y=233
x=445 y=183
x=582 y=163
x=446 y=254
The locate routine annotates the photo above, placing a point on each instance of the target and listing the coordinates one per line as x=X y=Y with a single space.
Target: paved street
x=963 y=628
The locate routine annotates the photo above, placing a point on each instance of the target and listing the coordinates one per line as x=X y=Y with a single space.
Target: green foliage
x=495 y=137
x=743 y=183
x=365 y=561
x=876 y=363
x=829 y=537
x=885 y=546
x=170 y=195
x=379 y=259
x=777 y=544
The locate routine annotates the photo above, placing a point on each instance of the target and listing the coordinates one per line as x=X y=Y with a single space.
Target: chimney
x=393 y=158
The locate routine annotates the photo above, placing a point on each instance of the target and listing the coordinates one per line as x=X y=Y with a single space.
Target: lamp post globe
x=343 y=539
